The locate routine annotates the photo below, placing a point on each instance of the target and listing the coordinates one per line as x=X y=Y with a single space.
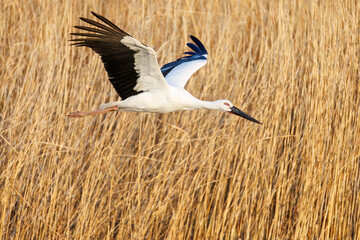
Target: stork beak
x=238 y=112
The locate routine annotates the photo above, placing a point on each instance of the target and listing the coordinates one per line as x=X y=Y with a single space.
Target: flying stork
x=134 y=72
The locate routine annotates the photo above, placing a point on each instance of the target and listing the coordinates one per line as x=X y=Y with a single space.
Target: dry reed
x=294 y=65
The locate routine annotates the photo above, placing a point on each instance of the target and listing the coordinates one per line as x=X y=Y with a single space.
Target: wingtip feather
x=199 y=44
x=95 y=14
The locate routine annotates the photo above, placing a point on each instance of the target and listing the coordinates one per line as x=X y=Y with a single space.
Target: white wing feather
x=146 y=65
x=179 y=75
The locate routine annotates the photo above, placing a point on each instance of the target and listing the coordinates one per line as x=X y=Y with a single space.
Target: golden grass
x=293 y=65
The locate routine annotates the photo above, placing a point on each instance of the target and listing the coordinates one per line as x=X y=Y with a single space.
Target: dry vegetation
x=294 y=65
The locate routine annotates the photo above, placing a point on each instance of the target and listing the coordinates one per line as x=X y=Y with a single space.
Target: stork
x=134 y=72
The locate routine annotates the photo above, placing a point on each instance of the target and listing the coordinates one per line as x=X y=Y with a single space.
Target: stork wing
x=131 y=66
x=177 y=73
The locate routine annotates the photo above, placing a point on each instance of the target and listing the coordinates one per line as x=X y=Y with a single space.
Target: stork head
x=226 y=106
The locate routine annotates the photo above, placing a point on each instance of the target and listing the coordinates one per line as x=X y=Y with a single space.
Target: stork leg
x=100 y=111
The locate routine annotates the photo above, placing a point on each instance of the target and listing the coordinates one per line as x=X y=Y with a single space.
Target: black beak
x=236 y=111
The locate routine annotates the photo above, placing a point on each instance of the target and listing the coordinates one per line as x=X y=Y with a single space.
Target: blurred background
x=293 y=65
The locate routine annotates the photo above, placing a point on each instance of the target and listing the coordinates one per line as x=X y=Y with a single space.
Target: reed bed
x=293 y=65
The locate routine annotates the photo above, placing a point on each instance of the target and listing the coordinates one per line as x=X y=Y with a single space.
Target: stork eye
x=226 y=104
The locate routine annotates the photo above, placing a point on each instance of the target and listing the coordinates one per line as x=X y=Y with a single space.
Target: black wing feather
x=118 y=59
x=199 y=52
x=105 y=20
x=95 y=30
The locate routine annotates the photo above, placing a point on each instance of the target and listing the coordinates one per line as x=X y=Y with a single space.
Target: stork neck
x=212 y=105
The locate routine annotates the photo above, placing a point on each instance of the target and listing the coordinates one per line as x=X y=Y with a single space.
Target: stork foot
x=78 y=114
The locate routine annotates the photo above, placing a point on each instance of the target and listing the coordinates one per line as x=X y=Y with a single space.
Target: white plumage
x=133 y=70
x=179 y=75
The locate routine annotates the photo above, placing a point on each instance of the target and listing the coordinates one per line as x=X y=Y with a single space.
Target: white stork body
x=135 y=74
x=162 y=101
